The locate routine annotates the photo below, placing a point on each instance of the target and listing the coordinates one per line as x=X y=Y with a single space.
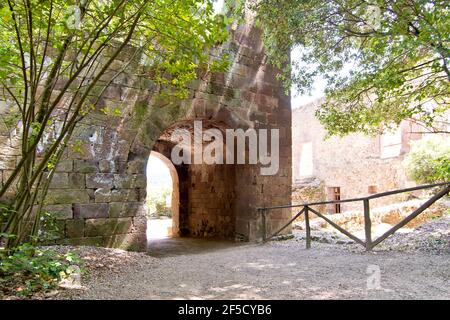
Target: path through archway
x=162 y=201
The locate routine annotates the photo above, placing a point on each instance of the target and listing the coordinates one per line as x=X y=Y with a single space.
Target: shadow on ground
x=174 y=246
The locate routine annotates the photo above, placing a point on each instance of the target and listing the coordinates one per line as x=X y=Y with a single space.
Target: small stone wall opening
x=334 y=194
x=162 y=201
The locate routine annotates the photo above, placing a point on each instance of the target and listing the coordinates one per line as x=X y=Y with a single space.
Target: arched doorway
x=100 y=189
x=206 y=190
x=163 y=197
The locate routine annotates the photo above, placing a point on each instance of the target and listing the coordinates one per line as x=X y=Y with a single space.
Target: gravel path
x=275 y=270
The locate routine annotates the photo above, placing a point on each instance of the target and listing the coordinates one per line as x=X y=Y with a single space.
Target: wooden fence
x=368 y=243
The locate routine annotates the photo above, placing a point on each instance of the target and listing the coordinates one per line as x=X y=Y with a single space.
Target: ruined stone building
x=99 y=193
x=352 y=166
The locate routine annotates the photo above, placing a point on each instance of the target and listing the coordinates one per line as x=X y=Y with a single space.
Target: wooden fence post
x=416 y=212
x=367 y=225
x=264 y=227
x=308 y=229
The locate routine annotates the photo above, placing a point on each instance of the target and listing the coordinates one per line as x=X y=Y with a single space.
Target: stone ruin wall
x=99 y=193
x=352 y=163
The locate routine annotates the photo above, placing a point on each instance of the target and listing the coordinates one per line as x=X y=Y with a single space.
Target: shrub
x=429 y=160
x=27 y=269
x=156 y=202
x=48 y=227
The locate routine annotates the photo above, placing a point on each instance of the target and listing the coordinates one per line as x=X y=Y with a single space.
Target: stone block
x=126 y=209
x=64 y=166
x=106 y=227
x=90 y=210
x=77 y=180
x=137 y=166
x=6 y=174
x=122 y=195
x=75 y=228
x=82 y=152
x=140 y=224
x=86 y=166
x=92 y=241
x=257 y=116
x=89 y=133
x=7 y=162
x=113 y=92
x=60 y=211
x=131 y=241
x=141 y=194
x=243 y=70
x=99 y=180
x=119 y=166
x=127 y=181
x=118 y=148
x=106 y=166
x=66 y=196
x=60 y=180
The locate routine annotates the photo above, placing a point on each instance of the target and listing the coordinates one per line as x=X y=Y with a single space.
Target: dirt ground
x=200 y=269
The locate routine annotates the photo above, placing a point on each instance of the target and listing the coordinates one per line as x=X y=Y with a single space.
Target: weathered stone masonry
x=357 y=164
x=99 y=193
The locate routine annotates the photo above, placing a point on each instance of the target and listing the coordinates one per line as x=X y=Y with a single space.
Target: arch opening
x=162 y=200
x=203 y=201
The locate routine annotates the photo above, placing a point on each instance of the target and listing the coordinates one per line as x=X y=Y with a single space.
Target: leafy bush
x=49 y=229
x=27 y=269
x=5 y=212
x=429 y=160
x=156 y=202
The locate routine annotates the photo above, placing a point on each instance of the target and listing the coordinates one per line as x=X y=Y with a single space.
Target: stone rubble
x=432 y=237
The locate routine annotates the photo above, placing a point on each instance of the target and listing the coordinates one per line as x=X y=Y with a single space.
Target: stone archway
x=98 y=192
x=207 y=191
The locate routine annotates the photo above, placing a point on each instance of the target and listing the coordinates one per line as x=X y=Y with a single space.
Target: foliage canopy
x=383 y=60
x=58 y=57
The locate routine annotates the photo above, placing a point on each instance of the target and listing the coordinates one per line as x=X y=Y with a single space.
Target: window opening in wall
x=391 y=144
x=334 y=194
x=337 y=196
x=306 y=160
x=372 y=189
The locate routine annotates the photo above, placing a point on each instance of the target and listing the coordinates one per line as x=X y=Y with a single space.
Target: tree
x=157 y=202
x=397 y=53
x=53 y=51
x=429 y=160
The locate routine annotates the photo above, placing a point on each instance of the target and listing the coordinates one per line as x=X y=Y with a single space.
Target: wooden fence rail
x=368 y=243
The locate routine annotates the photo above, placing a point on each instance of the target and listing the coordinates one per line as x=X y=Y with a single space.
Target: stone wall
x=211 y=201
x=309 y=191
x=354 y=163
x=99 y=188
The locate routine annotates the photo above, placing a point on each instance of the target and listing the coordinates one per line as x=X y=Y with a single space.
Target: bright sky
x=158 y=173
x=218 y=5
x=317 y=92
